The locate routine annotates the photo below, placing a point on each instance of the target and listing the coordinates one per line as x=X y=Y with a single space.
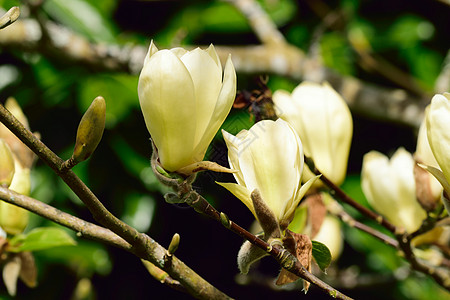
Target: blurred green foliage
x=55 y=94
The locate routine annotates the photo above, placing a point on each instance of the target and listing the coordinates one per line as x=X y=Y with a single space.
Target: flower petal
x=302 y=191
x=167 y=103
x=241 y=193
x=233 y=143
x=223 y=104
x=270 y=163
x=438 y=126
x=207 y=78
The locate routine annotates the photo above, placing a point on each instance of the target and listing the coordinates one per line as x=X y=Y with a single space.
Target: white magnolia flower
x=324 y=123
x=184 y=101
x=390 y=188
x=269 y=158
x=438 y=132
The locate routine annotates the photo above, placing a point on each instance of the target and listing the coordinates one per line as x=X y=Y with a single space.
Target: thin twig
x=198 y=203
x=143 y=246
x=336 y=209
x=393 y=105
x=264 y=28
x=82 y=227
x=340 y=194
x=441 y=277
x=403 y=238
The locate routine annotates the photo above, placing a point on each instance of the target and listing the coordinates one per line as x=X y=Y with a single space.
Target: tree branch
x=260 y=22
x=336 y=209
x=403 y=238
x=143 y=246
x=186 y=194
x=278 y=58
x=82 y=227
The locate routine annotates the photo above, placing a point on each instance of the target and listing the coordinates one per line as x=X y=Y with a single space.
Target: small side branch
x=340 y=194
x=143 y=246
x=259 y=20
x=82 y=227
x=403 y=238
x=284 y=257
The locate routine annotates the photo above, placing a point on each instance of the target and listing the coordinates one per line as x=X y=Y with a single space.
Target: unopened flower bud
x=323 y=122
x=428 y=188
x=22 y=153
x=184 y=99
x=14 y=219
x=6 y=164
x=269 y=158
x=438 y=132
x=90 y=130
x=390 y=188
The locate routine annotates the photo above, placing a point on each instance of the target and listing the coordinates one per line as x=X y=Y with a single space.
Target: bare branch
x=403 y=238
x=336 y=209
x=393 y=105
x=143 y=246
x=259 y=20
x=287 y=260
x=82 y=227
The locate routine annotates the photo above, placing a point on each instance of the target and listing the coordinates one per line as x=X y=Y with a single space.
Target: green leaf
x=298 y=223
x=41 y=239
x=321 y=254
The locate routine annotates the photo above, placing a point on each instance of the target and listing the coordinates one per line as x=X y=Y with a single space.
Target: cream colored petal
x=285 y=108
x=212 y=52
x=179 y=52
x=390 y=188
x=325 y=127
x=233 y=143
x=21 y=182
x=207 y=78
x=411 y=213
x=167 y=98
x=379 y=185
x=425 y=156
x=331 y=235
x=302 y=191
x=151 y=50
x=241 y=193
x=269 y=162
x=423 y=149
x=222 y=105
x=438 y=125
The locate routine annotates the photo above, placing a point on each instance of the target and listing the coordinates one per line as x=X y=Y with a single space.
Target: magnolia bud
x=184 y=100
x=323 y=122
x=269 y=158
x=390 y=188
x=90 y=130
x=438 y=128
x=14 y=219
x=6 y=164
x=21 y=152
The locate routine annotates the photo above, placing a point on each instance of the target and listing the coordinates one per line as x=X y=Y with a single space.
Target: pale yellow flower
x=269 y=158
x=184 y=101
x=390 y=188
x=324 y=123
x=438 y=131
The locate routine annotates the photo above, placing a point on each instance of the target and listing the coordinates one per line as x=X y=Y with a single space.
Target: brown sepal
x=423 y=189
x=316 y=212
x=299 y=245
